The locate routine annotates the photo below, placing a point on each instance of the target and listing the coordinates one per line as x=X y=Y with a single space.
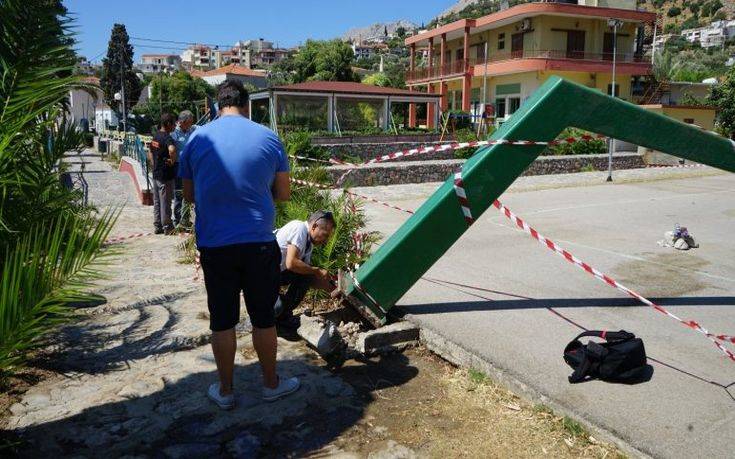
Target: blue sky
x=287 y=22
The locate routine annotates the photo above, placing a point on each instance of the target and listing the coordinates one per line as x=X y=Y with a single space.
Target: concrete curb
x=465 y=358
x=135 y=171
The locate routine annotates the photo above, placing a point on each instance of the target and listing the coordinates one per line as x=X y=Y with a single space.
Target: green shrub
x=673 y=11
x=48 y=241
x=465 y=135
x=299 y=143
x=340 y=251
x=592 y=147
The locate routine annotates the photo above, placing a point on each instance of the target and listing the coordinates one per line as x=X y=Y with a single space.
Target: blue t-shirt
x=233 y=162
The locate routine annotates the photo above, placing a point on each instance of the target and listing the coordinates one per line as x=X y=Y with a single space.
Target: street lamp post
x=614 y=23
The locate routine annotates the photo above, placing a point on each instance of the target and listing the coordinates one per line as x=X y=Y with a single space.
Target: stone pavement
x=133 y=370
x=500 y=301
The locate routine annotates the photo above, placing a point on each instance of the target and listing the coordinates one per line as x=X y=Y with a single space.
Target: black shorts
x=253 y=269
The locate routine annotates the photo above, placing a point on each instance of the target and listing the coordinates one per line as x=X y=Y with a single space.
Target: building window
x=689 y=120
x=617 y=90
x=501 y=41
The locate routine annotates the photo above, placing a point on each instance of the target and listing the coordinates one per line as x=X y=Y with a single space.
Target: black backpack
x=622 y=358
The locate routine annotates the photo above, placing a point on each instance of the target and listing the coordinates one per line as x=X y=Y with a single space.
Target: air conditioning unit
x=526 y=25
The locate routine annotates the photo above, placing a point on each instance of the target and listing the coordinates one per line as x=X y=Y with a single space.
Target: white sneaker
x=285 y=387
x=226 y=402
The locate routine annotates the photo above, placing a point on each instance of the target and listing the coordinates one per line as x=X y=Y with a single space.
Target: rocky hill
x=378 y=29
x=674 y=14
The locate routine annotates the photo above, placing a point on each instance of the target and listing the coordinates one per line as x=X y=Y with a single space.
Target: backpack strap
x=607 y=335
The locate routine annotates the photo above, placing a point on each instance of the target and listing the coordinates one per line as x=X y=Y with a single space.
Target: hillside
x=675 y=14
x=378 y=29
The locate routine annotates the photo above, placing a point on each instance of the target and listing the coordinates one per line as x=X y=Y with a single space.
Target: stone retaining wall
x=366 y=151
x=439 y=170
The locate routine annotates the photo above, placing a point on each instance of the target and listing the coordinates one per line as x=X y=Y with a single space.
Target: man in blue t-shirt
x=232 y=170
x=181 y=136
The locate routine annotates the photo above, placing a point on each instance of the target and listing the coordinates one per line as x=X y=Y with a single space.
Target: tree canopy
x=329 y=60
x=119 y=57
x=723 y=97
x=172 y=94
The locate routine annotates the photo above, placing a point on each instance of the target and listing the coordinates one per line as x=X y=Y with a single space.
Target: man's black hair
x=167 y=119
x=232 y=94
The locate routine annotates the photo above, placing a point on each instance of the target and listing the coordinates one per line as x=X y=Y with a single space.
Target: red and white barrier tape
x=376 y=201
x=454 y=146
x=610 y=281
x=464 y=203
x=119 y=239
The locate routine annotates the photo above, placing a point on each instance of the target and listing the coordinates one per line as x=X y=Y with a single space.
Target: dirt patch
x=447 y=412
x=661 y=274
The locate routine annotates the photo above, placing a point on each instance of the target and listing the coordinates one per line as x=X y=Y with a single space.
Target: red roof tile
x=235 y=69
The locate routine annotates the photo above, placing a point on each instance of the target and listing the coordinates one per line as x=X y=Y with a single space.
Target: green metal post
x=556 y=105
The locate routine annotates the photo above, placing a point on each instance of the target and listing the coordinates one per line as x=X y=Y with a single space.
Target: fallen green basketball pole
x=396 y=266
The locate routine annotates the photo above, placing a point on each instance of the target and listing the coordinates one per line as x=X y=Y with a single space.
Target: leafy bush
x=340 y=251
x=592 y=147
x=465 y=135
x=673 y=12
x=299 y=143
x=48 y=241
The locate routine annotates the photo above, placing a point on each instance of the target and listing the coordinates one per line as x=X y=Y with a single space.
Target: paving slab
x=503 y=298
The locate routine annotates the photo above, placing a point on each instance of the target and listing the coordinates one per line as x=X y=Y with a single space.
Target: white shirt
x=295 y=233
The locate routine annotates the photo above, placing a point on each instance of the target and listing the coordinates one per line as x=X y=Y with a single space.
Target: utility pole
x=614 y=23
x=122 y=88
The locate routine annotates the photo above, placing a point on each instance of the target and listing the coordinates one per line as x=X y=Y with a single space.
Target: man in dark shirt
x=162 y=156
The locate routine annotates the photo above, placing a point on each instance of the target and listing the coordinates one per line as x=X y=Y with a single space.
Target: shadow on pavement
x=179 y=420
x=545 y=303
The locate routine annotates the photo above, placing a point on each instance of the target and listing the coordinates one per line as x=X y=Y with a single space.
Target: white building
x=713 y=35
x=364 y=51
x=198 y=57
x=154 y=63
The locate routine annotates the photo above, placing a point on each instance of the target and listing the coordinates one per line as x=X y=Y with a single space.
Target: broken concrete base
x=322 y=335
x=335 y=344
x=390 y=338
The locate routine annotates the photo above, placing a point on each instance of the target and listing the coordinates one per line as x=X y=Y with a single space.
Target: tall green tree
x=723 y=97
x=117 y=67
x=324 y=61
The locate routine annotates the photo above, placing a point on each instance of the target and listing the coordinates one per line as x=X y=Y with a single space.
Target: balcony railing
x=463 y=65
x=560 y=54
x=458 y=67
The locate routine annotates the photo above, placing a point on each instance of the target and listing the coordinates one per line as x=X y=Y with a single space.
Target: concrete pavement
x=512 y=305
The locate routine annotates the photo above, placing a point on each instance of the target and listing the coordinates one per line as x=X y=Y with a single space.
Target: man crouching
x=297 y=239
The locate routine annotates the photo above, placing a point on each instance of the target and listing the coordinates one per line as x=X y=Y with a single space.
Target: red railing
x=458 y=67
x=463 y=65
x=561 y=54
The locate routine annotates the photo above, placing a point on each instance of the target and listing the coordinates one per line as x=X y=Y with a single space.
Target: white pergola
x=332 y=92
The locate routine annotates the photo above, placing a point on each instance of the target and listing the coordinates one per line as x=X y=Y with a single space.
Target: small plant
x=477 y=376
x=588 y=168
x=587 y=147
x=299 y=143
x=465 y=135
x=573 y=427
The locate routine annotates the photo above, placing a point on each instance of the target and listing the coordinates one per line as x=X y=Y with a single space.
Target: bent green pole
x=394 y=268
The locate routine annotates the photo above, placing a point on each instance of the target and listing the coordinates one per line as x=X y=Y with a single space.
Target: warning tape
x=464 y=203
x=591 y=270
x=612 y=282
x=117 y=240
x=455 y=146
